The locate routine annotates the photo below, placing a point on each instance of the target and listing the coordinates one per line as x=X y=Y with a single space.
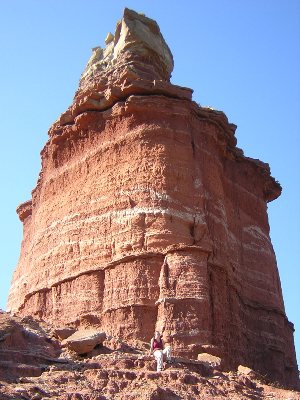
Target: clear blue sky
x=239 y=56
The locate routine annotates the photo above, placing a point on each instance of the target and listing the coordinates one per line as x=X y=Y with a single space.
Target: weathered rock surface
x=210 y=360
x=84 y=341
x=119 y=374
x=25 y=348
x=147 y=216
x=122 y=379
x=242 y=370
x=63 y=333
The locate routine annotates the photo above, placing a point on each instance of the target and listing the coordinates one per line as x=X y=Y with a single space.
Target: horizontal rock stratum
x=147 y=216
x=35 y=366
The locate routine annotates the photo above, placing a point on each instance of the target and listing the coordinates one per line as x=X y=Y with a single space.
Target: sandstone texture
x=210 y=360
x=84 y=341
x=25 y=348
x=109 y=373
x=147 y=216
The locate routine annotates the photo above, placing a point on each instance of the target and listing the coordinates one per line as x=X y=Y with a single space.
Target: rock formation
x=147 y=216
x=25 y=348
x=34 y=366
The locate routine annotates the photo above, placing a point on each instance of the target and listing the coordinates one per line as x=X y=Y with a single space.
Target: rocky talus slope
x=41 y=366
x=147 y=216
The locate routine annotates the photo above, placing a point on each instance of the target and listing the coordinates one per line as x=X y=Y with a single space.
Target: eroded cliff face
x=147 y=216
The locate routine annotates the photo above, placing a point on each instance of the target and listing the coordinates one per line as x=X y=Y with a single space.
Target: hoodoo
x=147 y=216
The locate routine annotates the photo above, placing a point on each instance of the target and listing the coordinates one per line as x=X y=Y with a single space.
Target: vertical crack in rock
x=147 y=216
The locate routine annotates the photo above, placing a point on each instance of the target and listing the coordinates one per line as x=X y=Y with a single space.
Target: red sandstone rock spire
x=147 y=216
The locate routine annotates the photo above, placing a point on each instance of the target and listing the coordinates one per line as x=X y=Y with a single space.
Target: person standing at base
x=158 y=349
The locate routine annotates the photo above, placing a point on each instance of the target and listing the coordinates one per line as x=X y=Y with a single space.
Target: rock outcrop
x=147 y=216
x=25 y=348
x=41 y=368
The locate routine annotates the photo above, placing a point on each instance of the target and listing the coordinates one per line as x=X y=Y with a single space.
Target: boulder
x=210 y=360
x=84 y=341
x=63 y=333
x=250 y=373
